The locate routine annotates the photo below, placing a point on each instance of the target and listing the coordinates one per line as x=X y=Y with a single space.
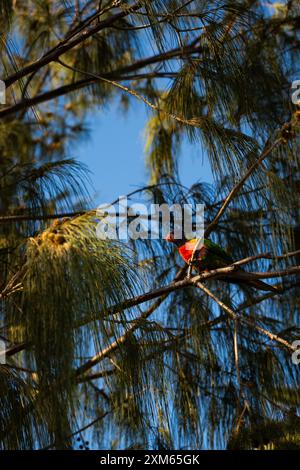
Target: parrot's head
x=177 y=241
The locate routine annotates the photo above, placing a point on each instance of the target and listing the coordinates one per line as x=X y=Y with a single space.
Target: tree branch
x=242 y=319
x=64 y=47
x=267 y=150
x=180 y=119
x=155 y=293
x=119 y=74
x=225 y=273
x=249 y=259
x=112 y=347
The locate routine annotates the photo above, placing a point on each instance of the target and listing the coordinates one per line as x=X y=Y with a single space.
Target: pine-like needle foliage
x=87 y=354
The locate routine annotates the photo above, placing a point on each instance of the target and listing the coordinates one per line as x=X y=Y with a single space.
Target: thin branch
x=242 y=319
x=172 y=287
x=15 y=349
x=208 y=292
x=238 y=375
x=20 y=218
x=64 y=47
x=268 y=333
x=114 y=75
x=61 y=215
x=267 y=150
x=185 y=332
x=135 y=94
x=249 y=259
x=115 y=345
x=236 y=355
x=96 y=376
x=14 y=284
x=267 y=275
x=240 y=418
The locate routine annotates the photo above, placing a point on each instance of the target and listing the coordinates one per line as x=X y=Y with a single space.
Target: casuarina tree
x=117 y=344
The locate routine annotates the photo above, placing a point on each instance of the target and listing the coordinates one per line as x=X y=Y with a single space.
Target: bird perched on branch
x=210 y=256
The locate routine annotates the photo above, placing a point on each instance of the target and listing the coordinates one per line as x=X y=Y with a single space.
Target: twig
x=240 y=418
x=112 y=347
x=25 y=217
x=105 y=373
x=249 y=259
x=64 y=47
x=96 y=376
x=236 y=354
x=267 y=275
x=267 y=150
x=228 y=310
x=242 y=319
x=20 y=218
x=181 y=120
x=15 y=349
x=114 y=75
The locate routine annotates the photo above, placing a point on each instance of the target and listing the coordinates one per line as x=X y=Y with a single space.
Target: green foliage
x=80 y=355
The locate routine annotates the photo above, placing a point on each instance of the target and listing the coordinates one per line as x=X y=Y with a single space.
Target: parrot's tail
x=240 y=278
x=260 y=285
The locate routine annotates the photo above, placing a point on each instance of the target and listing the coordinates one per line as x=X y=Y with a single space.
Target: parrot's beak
x=170 y=238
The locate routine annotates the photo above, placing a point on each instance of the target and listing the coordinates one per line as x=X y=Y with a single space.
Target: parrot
x=212 y=256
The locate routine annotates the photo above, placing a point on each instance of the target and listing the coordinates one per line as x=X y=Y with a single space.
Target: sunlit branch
x=117 y=75
x=64 y=47
x=112 y=347
x=135 y=94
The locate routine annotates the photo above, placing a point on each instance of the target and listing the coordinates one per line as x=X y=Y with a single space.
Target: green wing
x=216 y=256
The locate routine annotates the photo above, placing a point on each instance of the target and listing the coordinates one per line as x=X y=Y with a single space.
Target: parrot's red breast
x=212 y=256
x=186 y=250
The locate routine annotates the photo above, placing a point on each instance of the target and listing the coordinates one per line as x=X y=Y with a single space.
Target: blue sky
x=114 y=153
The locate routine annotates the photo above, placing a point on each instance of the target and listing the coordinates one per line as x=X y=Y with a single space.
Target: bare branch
x=267 y=150
x=172 y=287
x=242 y=319
x=119 y=74
x=267 y=275
x=115 y=345
x=64 y=47
x=249 y=259
x=15 y=349
x=20 y=218
x=181 y=120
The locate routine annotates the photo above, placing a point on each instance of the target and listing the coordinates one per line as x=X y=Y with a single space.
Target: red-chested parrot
x=212 y=256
